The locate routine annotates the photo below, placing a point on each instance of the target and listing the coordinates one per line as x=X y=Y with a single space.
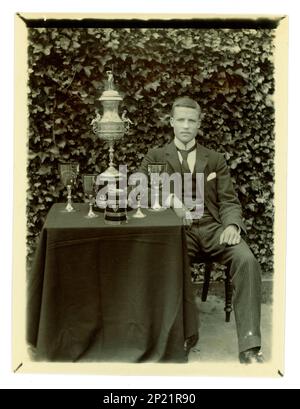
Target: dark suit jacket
x=219 y=195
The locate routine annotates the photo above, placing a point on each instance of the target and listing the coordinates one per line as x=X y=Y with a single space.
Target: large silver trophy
x=111 y=128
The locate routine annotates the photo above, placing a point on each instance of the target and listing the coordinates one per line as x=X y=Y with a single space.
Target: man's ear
x=172 y=121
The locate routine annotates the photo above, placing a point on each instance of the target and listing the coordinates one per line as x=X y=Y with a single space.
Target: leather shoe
x=251 y=356
x=190 y=342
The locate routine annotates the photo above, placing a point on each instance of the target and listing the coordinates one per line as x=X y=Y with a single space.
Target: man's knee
x=244 y=256
x=246 y=272
x=249 y=258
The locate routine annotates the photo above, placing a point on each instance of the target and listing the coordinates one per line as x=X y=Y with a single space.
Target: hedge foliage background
x=228 y=71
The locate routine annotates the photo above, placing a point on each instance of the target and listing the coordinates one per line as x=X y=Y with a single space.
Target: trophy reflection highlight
x=89 y=188
x=68 y=174
x=155 y=170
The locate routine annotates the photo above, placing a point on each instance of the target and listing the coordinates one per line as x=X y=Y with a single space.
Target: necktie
x=185 y=154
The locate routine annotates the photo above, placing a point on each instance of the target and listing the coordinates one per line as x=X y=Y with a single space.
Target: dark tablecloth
x=122 y=291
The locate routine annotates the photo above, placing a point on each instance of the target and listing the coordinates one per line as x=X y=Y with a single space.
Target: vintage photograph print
x=150 y=194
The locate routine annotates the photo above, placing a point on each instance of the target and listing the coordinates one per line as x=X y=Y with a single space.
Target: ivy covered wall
x=228 y=71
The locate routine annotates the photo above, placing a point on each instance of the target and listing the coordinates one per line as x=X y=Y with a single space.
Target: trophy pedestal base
x=112 y=174
x=139 y=214
x=115 y=216
x=157 y=209
x=68 y=210
x=115 y=222
x=91 y=216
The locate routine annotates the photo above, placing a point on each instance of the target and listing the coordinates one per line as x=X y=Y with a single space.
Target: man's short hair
x=185 y=102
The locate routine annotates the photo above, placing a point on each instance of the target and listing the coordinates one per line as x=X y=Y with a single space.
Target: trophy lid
x=110 y=94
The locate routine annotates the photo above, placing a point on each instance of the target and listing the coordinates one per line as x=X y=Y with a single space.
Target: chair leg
x=228 y=289
x=207 y=273
x=228 y=296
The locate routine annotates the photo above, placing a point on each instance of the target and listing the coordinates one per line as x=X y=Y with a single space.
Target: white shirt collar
x=182 y=146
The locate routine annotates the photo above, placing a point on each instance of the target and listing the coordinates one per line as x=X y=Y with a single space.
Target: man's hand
x=230 y=235
x=181 y=211
x=185 y=215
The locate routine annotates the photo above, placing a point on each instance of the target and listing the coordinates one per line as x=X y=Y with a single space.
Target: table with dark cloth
x=110 y=293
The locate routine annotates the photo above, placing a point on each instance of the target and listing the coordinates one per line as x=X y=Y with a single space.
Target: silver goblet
x=68 y=174
x=89 y=188
x=155 y=170
x=139 y=214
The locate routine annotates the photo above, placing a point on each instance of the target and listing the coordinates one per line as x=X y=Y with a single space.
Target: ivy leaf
x=54 y=150
x=152 y=85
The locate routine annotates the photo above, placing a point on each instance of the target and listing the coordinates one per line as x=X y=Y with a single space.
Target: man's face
x=185 y=123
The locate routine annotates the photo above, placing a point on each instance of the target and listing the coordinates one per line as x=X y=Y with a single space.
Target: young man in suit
x=217 y=233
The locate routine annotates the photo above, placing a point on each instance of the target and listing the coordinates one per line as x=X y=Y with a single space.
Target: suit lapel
x=201 y=159
x=201 y=162
x=172 y=158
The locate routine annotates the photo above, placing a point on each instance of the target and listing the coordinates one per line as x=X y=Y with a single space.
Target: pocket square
x=211 y=176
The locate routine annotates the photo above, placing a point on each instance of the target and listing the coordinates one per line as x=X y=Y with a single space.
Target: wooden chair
x=228 y=287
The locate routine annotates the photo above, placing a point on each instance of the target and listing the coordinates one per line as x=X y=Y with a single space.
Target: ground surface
x=217 y=338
